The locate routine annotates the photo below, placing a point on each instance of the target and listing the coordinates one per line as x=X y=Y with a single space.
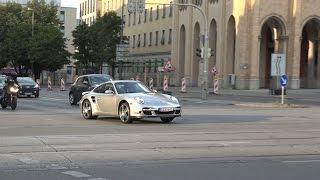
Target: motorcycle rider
x=10 y=81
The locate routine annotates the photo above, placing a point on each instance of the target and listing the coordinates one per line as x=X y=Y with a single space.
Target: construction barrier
x=49 y=85
x=165 y=84
x=62 y=85
x=183 y=85
x=38 y=83
x=151 y=83
x=137 y=78
x=215 y=85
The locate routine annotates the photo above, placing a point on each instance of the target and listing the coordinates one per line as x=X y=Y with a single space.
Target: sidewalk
x=309 y=97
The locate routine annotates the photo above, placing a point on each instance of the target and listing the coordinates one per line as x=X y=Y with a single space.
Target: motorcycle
x=10 y=96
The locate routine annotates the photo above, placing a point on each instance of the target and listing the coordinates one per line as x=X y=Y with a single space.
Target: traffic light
x=200 y=52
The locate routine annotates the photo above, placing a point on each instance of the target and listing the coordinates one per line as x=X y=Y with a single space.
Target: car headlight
x=14 y=89
x=139 y=100
x=174 y=99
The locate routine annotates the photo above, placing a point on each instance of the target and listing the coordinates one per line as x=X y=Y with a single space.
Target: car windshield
x=95 y=80
x=25 y=80
x=131 y=87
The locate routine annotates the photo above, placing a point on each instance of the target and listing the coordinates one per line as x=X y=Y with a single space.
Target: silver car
x=128 y=100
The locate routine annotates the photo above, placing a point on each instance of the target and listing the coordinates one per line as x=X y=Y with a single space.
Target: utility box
x=231 y=80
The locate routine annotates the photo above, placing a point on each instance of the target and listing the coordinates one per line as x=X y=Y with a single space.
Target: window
x=144 y=39
x=164 y=11
x=133 y=41
x=157 y=38
x=171 y=9
x=170 y=36
x=129 y=40
x=163 y=37
x=139 y=20
x=62 y=16
x=81 y=10
x=124 y=20
x=129 y=19
x=150 y=39
x=85 y=8
x=94 y=6
x=157 y=17
x=134 y=18
x=90 y=6
x=138 y=43
x=145 y=15
x=150 y=17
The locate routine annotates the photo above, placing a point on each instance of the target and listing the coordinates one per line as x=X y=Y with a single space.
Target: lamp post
x=32 y=21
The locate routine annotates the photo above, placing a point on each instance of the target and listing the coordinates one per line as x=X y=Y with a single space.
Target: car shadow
x=198 y=119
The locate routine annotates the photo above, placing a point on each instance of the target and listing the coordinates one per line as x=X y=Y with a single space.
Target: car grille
x=27 y=89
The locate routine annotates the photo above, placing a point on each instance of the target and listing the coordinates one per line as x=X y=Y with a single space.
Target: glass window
x=134 y=18
x=129 y=19
x=157 y=17
x=139 y=20
x=150 y=39
x=145 y=15
x=94 y=80
x=170 y=36
x=131 y=87
x=138 y=43
x=164 y=11
x=150 y=17
x=79 y=81
x=171 y=9
x=163 y=37
x=144 y=39
x=156 y=41
x=133 y=41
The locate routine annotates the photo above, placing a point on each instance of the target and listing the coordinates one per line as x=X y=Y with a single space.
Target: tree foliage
x=97 y=44
x=43 y=51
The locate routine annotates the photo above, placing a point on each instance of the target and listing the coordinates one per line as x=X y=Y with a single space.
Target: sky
x=69 y=3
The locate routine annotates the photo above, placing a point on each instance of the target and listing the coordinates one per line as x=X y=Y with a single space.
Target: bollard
x=183 y=85
x=151 y=83
x=49 y=84
x=62 y=85
x=165 y=84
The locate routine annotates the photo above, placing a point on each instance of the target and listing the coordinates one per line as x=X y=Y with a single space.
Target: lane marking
x=98 y=179
x=54 y=99
x=302 y=161
x=27 y=160
x=76 y=174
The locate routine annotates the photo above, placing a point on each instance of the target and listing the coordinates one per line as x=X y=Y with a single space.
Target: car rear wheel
x=167 y=119
x=87 y=110
x=72 y=99
x=124 y=113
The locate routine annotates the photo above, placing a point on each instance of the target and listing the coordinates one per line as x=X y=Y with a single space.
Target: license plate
x=167 y=109
x=28 y=94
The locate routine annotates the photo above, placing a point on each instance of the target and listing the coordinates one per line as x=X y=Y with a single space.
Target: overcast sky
x=69 y=3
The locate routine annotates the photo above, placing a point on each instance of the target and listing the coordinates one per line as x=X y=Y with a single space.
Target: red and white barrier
x=165 y=84
x=62 y=85
x=151 y=83
x=183 y=85
x=137 y=78
x=49 y=85
x=38 y=83
x=215 y=86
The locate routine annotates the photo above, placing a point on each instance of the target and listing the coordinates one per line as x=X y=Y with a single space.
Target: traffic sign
x=278 y=64
x=284 y=80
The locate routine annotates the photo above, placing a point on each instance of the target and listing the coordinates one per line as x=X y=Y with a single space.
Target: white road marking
x=27 y=160
x=223 y=143
x=54 y=99
x=302 y=161
x=76 y=174
x=98 y=179
x=55 y=167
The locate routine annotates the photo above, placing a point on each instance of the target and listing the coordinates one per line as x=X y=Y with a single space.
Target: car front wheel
x=87 y=110
x=124 y=113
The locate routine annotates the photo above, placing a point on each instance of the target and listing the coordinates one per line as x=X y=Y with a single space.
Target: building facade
x=89 y=10
x=68 y=18
x=57 y=2
x=244 y=34
x=149 y=34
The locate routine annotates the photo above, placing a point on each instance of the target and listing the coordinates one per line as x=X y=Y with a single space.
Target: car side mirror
x=109 y=92
x=86 y=83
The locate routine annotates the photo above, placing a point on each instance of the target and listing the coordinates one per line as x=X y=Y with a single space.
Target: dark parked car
x=28 y=87
x=86 y=83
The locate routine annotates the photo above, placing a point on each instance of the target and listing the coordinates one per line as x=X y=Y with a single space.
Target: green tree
x=97 y=43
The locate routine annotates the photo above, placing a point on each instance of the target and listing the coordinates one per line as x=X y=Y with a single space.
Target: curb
x=270 y=105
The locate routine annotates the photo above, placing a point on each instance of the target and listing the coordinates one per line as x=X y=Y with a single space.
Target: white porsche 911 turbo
x=128 y=100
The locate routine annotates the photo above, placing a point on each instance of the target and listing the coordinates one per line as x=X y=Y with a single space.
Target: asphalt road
x=46 y=138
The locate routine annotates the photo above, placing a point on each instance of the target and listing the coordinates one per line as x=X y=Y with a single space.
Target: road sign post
x=283 y=82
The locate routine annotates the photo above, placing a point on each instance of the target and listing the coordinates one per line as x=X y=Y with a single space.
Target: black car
x=28 y=87
x=86 y=83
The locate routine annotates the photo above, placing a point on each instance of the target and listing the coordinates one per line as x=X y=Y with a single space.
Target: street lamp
x=32 y=31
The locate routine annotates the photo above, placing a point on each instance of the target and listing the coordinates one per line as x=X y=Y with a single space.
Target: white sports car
x=128 y=100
